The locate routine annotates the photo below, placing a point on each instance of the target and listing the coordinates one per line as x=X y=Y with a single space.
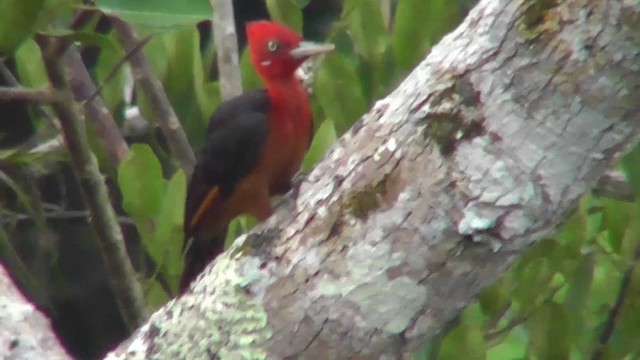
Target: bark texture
x=481 y=151
x=25 y=332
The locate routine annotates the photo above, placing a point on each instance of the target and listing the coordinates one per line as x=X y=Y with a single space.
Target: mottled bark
x=480 y=152
x=25 y=332
x=225 y=41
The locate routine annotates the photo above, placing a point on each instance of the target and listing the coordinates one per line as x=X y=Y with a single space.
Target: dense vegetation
x=575 y=295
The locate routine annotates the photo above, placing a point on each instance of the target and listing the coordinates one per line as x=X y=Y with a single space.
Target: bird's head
x=277 y=51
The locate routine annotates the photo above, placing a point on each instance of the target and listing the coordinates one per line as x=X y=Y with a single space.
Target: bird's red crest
x=270 y=44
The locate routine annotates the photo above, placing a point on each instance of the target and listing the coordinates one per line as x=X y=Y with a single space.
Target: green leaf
x=625 y=337
x=494 y=299
x=533 y=275
x=323 y=139
x=615 y=220
x=631 y=166
x=464 y=342
x=302 y=3
x=18 y=22
x=183 y=80
x=158 y=14
x=31 y=71
x=141 y=183
x=550 y=332
x=113 y=92
x=250 y=78
x=366 y=27
x=85 y=38
x=577 y=296
x=20 y=19
x=167 y=247
x=286 y=12
x=513 y=346
x=339 y=91
x=419 y=24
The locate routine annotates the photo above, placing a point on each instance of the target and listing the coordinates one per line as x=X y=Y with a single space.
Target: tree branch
x=226 y=44
x=614 y=313
x=481 y=152
x=95 y=110
x=153 y=89
x=127 y=290
x=35 y=96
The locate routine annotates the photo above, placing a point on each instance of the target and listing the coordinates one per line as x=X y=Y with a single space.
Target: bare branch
x=24 y=94
x=153 y=89
x=226 y=44
x=118 y=65
x=123 y=278
x=95 y=110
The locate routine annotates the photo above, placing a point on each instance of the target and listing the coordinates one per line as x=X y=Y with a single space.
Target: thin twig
x=127 y=290
x=9 y=216
x=491 y=337
x=11 y=80
x=95 y=110
x=36 y=96
x=146 y=80
x=118 y=65
x=226 y=44
x=614 y=313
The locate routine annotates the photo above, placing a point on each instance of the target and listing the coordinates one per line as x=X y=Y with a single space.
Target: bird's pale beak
x=307 y=48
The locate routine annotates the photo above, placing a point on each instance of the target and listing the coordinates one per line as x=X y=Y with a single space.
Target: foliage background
x=573 y=296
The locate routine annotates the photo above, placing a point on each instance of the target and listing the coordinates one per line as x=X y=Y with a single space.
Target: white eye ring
x=273 y=45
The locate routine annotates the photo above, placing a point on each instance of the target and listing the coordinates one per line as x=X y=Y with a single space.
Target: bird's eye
x=273 y=46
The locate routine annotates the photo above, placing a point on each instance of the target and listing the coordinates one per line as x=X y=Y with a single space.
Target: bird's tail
x=199 y=252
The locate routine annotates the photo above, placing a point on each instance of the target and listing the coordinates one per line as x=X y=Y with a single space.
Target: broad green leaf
x=158 y=14
x=31 y=71
x=17 y=22
x=211 y=100
x=615 y=220
x=464 y=342
x=20 y=19
x=113 y=91
x=302 y=3
x=419 y=24
x=339 y=91
x=573 y=233
x=156 y=53
x=495 y=298
x=167 y=245
x=323 y=139
x=550 y=332
x=625 y=336
x=513 y=346
x=286 y=12
x=366 y=27
x=250 y=77
x=631 y=166
x=577 y=295
x=183 y=80
x=533 y=275
x=85 y=38
x=141 y=183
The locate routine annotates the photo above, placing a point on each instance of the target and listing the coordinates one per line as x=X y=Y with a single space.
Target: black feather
x=236 y=134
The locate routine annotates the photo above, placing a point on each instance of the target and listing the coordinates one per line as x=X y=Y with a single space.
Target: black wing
x=236 y=134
